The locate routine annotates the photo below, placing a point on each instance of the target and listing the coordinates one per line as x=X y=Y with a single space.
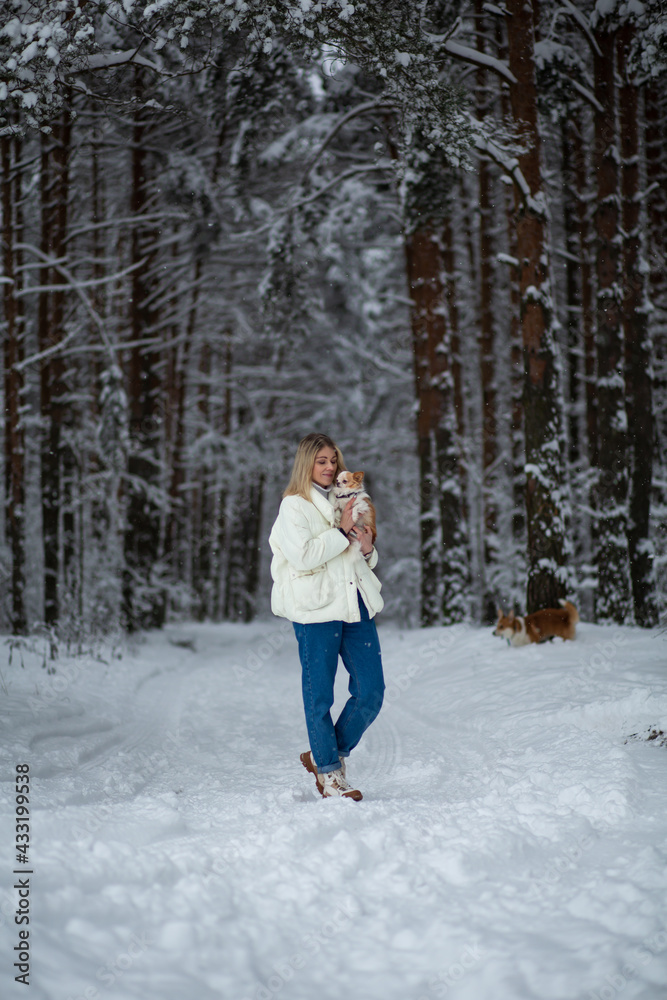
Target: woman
x=330 y=593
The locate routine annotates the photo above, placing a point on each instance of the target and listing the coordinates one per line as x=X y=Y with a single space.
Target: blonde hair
x=301 y=479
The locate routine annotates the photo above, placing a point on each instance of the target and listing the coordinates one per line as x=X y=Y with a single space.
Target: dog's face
x=350 y=481
x=507 y=624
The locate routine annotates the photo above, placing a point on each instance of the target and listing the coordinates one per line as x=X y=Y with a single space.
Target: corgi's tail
x=572 y=611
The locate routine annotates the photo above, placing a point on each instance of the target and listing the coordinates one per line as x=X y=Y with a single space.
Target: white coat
x=315 y=570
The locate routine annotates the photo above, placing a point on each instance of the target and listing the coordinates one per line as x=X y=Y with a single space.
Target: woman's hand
x=346 y=519
x=365 y=536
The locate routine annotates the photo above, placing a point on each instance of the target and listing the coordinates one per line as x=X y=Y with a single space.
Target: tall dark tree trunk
x=452 y=317
x=572 y=296
x=243 y=540
x=64 y=412
x=204 y=534
x=638 y=347
x=144 y=599
x=656 y=211
x=50 y=480
x=253 y=543
x=542 y=415
x=579 y=169
x=580 y=338
x=518 y=444
x=243 y=528
x=223 y=522
x=451 y=295
x=57 y=461
x=10 y=156
x=581 y=326
x=613 y=597
x=443 y=550
x=487 y=362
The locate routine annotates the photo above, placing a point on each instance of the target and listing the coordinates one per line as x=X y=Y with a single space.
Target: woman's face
x=324 y=468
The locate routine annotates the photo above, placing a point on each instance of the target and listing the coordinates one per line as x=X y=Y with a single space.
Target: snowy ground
x=511 y=844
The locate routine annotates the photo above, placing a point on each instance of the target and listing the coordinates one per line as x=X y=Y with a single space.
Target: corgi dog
x=521 y=630
x=350 y=485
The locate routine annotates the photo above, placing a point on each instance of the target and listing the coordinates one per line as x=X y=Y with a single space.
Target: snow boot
x=332 y=783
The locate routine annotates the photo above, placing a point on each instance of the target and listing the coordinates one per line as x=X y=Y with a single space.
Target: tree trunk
x=222 y=524
x=61 y=379
x=542 y=415
x=252 y=548
x=57 y=461
x=443 y=552
x=13 y=380
x=451 y=295
x=580 y=175
x=144 y=599
x=583 y=360
x=518 y=444
x=486 y=341
x=638 y=347
x=50 y=482
x=204 y=537
x=244 y=526
x=243 y=540
x=613 y=601
x=656 y=210
x=572 y=295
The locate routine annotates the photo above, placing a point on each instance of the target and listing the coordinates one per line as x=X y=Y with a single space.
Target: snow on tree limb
x=581 y=20
x=361 y=109
x=509 y=163
x=587 y=94
x=469 y=55
x=78 y=289
x=108 y=60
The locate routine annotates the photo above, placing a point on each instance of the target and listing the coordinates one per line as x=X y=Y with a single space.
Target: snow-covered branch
x=77 y=288
x=587 y=94
x=581 y=20
x=361 y=109
x=510 y=164
x=107 y=60
x=469 y=55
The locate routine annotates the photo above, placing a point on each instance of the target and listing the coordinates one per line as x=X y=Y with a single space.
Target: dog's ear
x=500 y=613
x=511 y=615
x=358 y=475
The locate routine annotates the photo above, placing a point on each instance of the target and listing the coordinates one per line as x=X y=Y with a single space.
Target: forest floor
x=511 y=844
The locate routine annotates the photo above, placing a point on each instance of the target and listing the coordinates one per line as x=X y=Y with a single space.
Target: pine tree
x=542 y=408
x=14 y=443
x=637 y=342
x=613 y=597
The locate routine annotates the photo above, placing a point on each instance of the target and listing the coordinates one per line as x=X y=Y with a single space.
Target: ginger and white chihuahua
x=350 y=485
x=520 y=630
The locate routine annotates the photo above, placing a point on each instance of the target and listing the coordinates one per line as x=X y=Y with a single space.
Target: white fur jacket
x=315 y=570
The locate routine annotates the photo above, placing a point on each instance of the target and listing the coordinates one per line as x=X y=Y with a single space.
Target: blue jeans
x=320 y=643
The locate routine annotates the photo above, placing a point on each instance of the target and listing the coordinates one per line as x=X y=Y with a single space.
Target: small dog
x=541 y=625
x=350 y=485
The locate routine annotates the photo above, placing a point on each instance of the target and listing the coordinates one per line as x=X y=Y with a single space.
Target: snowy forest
x=434 y=231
